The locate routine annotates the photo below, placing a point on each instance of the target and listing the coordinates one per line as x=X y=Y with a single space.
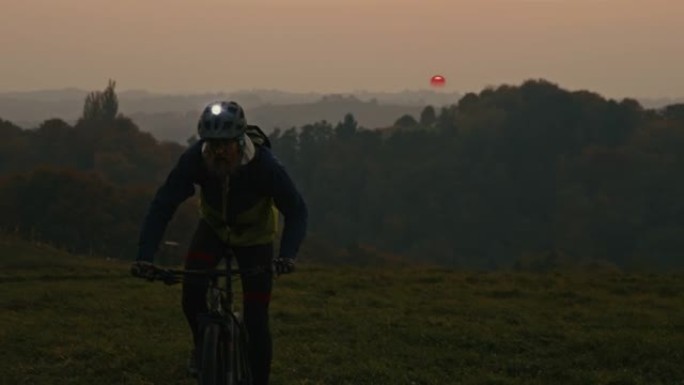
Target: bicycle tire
x=240 y=358
x=213 y=360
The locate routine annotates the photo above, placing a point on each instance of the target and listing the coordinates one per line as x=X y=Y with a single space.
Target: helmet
x=222 y=120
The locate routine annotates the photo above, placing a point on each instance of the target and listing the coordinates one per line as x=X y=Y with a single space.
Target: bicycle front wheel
x=240 y=357
x=213 y=370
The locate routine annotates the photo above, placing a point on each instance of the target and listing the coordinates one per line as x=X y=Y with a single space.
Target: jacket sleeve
x=291 y=204
x=178 y=187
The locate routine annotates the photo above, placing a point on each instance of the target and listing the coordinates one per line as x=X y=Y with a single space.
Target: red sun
x=437 y=81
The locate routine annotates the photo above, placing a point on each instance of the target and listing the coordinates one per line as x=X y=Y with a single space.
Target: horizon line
x=325 y=93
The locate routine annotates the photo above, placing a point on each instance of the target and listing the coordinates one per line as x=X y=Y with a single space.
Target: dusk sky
x=617 y=48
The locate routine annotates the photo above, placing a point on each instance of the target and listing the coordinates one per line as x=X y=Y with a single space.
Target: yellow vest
x=255 y=226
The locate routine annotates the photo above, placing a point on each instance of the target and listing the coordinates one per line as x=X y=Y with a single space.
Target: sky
x=618 y=48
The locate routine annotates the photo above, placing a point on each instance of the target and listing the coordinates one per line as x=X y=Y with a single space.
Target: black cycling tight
x=206 y=251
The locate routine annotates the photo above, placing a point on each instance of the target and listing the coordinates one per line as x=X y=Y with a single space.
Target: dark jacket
x=242 y=217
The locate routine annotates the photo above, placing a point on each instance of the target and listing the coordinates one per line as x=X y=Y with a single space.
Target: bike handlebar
x=173 y=276
x=214 y=272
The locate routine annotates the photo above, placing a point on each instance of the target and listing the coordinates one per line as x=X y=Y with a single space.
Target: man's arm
x=291 y=204
x=178 y=187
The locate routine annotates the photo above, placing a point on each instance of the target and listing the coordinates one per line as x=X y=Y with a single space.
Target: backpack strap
x=258 y=136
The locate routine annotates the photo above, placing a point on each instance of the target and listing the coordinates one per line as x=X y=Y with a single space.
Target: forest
x=529 y=176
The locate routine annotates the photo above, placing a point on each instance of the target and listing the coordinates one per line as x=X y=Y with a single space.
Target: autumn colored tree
x=527 y=176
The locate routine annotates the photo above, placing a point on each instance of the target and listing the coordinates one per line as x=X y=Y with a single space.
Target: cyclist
x=241 y=186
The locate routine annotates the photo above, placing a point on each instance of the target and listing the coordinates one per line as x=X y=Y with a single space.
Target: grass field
x=74 y=320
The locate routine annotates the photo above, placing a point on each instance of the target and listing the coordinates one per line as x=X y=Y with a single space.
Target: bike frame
x=221 y=312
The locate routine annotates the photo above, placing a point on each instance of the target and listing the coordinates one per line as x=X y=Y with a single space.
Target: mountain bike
x=222 y=354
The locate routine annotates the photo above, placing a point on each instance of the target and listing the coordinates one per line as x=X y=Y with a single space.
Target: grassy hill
x=66 y=319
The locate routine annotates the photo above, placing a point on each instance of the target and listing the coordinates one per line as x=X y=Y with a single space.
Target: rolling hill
x=74 y=320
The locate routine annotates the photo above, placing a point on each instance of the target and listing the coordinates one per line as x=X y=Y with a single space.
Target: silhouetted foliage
x=101 y=105
x=428 y=116
x=529 y=176
x=406 y=121
x=79 y=211
x=84 y=187
x=347 y=128
x=509 y=173
x=675 y=112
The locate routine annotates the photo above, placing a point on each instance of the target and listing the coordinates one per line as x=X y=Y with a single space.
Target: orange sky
x=615 y=47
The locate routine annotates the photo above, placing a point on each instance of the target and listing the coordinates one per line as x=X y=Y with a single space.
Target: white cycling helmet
x=222 y=120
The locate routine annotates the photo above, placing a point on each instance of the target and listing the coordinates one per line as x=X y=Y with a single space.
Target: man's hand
x=143 y=269
x=283 y=265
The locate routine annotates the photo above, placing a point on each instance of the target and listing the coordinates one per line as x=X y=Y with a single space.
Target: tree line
x=532 y=175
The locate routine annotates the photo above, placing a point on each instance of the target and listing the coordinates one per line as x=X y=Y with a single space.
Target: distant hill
x=659 y=102
x=179 y=126
x=173 y=117
x=67 y=103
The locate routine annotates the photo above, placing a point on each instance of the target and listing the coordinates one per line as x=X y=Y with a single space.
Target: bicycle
x=223 y=354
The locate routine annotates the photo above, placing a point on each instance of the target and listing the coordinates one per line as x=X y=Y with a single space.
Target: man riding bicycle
x=241 y=187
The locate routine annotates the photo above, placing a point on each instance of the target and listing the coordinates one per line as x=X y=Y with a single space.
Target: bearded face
x=222 y=157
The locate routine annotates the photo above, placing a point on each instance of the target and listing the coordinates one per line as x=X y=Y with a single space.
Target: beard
x=220 y=166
